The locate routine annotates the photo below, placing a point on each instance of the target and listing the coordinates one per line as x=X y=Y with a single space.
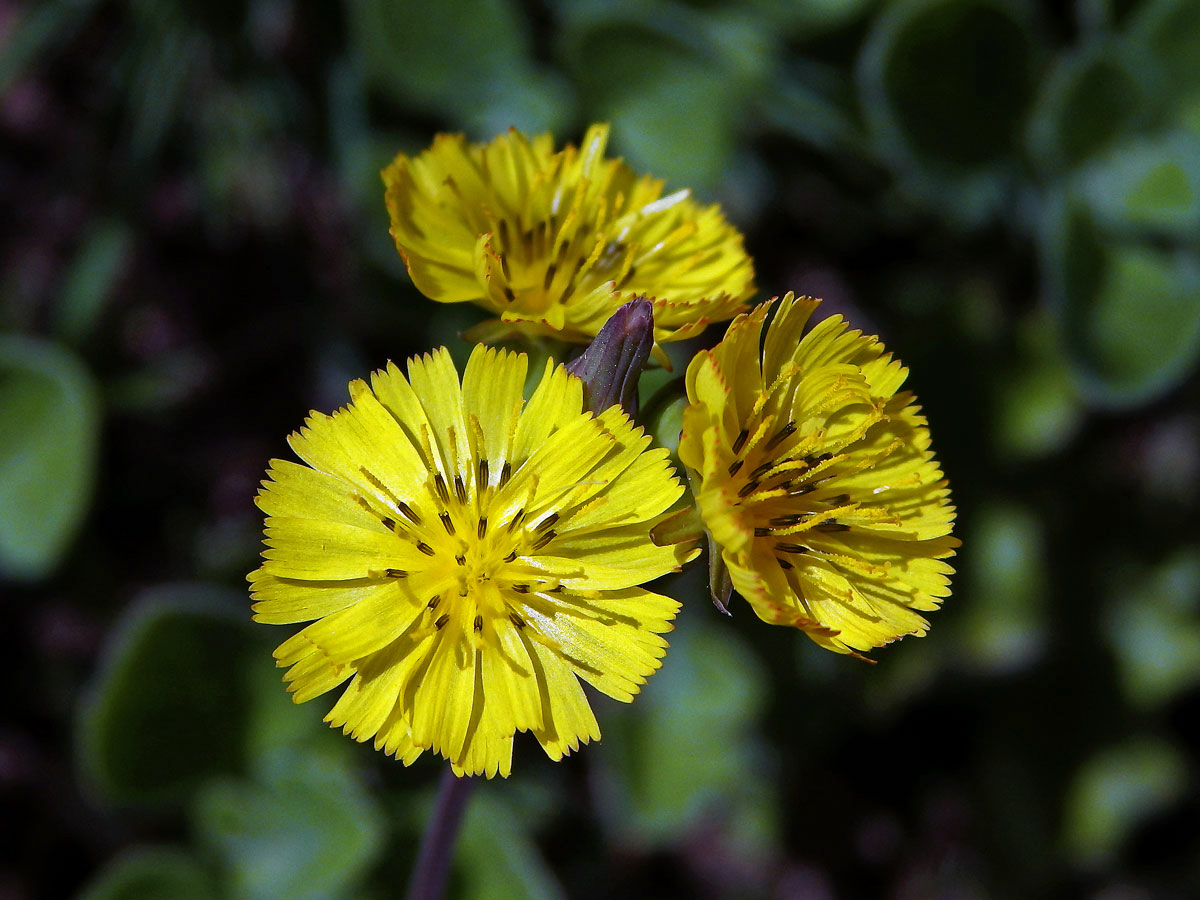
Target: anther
x=551 y=271
x=505 y=473
x=747 y=488
x=395 y=573
x=762 y=470
x=439 y=485
x=434 y=601
x=482 y=529
x=460 y=559
x=557 y=589
x=460 y=489
x=389 y=524
x=478 y=624
x=761 y=532
x=781 y=435
x=838 y=500
x=447 y=522
x=791 y=548
x=788 y=521
x=517 y=519
x=545 y=539
x=832 y=526
x=425 y=548
x=511 y=556
x=509 y=295
x=441 y=622
x=483 y=473
x=784 y=564
x=516 y=620
x=547 y=522
x=521 y=588
x=740 y=441
x=408 y=512
x=734 y=466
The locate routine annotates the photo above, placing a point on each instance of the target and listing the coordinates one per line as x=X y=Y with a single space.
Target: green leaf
x=151 y=873
x=689 y=742
x=1167 y=32
x=1003 y=628
x=1128 y=311
x=49 y=431
x=945 y=83
x=498 y=858
x=1038 y=410
x=1115 y=791
x=1154 y=631
x=470 y=58
x=169 y=705
x=310 y=831
x=1092 y=97
x=91 y=279
x=1146 y=186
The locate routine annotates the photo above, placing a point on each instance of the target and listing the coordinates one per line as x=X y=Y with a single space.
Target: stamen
x=791 y=548
x=763 y=469
x=395 y=573
x=460 y=489
x=521 y=588
x=747 y=488
x=511 y=556
x=517 y=519
x=483 y=473
x=516 y=620
x=389 y=524
x=505 y=473
x=761 y=532
x=478 y=624
x=735 y=465
x=551 y=271
x=408 y=512
x=545 y=539
x=780 y=436
x=832 y=526
x=447 y=522
x=740 y=441
x=838 y=500
x=547 y=522
x=441 y=622
x=425 y=548
x=509 y=295
x=434 y=601
x=482 y=529
x=788 y=521
x=439 y=485
x=784 y=564
x=460 y=559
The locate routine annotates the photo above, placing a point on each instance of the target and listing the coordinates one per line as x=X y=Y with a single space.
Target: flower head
x=813 y=474
x=465 y=559
x=553 y=242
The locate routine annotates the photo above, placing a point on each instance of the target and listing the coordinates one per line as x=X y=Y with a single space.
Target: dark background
x=195 y=253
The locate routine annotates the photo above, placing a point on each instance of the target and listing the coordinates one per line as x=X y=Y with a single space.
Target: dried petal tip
x=610 y=366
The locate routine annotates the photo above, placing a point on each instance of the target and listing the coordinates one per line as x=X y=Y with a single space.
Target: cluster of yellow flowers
x=465 y=556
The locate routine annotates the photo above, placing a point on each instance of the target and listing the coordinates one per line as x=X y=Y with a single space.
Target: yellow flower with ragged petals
x=553 y=242
x=813 y=473
x=465 y=559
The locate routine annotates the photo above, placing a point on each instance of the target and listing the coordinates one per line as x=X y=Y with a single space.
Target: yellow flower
x=554 y=242
x=814 y=475
x=465 y=559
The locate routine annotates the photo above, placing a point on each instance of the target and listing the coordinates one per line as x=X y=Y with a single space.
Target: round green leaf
x=49 y=431
x=151 y=874
x=945 y=83
x=311 y=831
x=1091 y=97
x=1130 y=320
x=169 y=705
x=1115 y=791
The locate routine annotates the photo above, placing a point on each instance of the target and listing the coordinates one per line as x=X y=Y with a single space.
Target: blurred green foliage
x=1008 y=192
